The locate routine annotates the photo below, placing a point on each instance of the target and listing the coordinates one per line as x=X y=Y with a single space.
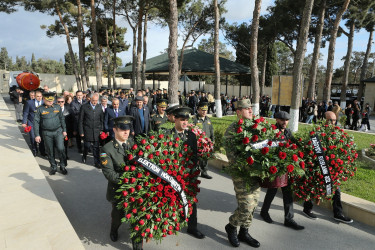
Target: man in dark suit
x=109 y=116
x=141 y=114
x=76 y=107
x=69 y=121
x=90 y=125
x=28 y=120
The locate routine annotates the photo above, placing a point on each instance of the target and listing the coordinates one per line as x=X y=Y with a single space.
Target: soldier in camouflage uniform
x=160 y=117
x=50 y=120
x=247 y=199
x=203 y=121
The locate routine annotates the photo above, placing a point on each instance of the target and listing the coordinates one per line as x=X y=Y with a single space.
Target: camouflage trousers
x=247 y=202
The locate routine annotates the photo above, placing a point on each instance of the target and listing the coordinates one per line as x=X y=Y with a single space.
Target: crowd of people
x=106 y=123
x=357 y=117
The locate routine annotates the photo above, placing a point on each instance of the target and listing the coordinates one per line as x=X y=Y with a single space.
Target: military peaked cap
x=123 y=122
x=182 y=112
x=203 y=106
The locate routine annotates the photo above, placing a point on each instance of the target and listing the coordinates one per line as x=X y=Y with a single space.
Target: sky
x=21 y=35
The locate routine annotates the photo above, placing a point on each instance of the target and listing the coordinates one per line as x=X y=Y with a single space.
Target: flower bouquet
x=27 y=129
x=159 y=187
x=330 y=159
x=205 y=145
x=261 y=150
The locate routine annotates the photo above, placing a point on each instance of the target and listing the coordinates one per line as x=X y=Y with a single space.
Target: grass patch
x=361 y=185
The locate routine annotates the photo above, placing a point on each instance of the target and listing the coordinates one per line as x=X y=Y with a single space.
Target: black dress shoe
x=196 y=233
x=310 y=215
x=292 y=224
x=34 y=153
x=206 y=176
x=343 y=218
x=113 y=235
x=84 y=159
x=52 y=172
x=63 y=170
x=244 y=236
x=266 y=217
x=232 y=235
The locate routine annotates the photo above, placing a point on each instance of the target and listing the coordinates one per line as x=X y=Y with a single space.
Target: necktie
x=116 y=113
x=124 y=146
x=37 y=103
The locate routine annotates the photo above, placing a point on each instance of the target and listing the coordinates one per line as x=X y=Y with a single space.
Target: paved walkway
x=82 y=196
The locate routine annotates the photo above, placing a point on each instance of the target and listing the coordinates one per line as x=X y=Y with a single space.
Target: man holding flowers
x=282 y=120
x=181 y=119
x=112 y=158
x=247 y=198
x=203 y=121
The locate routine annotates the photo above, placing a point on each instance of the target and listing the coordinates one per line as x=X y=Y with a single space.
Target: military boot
x=244 y=236
x=232 y=235
x=137 y=245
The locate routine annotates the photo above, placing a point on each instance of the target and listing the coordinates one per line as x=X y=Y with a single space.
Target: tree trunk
x=172 y=54
x=108 y=58
x=139 y=45
x=253 y=56
x=364 y=67
x=134 y=62
x=217 y=61
x=98 y=68
x=263 y=73
x=144 y=52
x=71 y=53
x=85 y=65
x=347 y=66
x=81 y=47
x=331 y=52
x=316 y=53
x=298 y=64
x=114 y=45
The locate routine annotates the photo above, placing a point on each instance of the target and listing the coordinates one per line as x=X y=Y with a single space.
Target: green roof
x=196 y=62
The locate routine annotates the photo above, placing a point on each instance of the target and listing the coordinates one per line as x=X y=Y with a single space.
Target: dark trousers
x=336 y=204
x=193 y=221
x=287 y=201
x=211 y=107
x=34 y=145
x=78 y=141
x=55 y=140
x=116 y=216
x=355 y=124
x=203 y=166
x=95 y=150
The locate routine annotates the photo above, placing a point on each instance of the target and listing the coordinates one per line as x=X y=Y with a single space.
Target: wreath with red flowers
x=205 y=145
x=340 y=157
x=262 y=151
x=153 y=206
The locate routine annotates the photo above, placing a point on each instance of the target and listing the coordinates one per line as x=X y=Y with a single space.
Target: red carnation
x=124 y=193
x=136 y=228
x=161 y=161
x=240 y=121
x=246 y=140
x=254 y=126
x=250 y=160
x=265 y=150
x=161 y=136
x=150 y=156
x=302 y=164
x=273 y=169
x=264 y=130
x=152 y=137
x=254 y=138
x=290 y=168
x=273 y=126
x=130 y=157
x=141 y=222
x=143 y=141
x=148 y=147
x=132 y=168
x=300 y=154
x=295 y=158
x=140 y=153
x=282 y=155
x=148 y=216
x=239 y=130
x=134 y=147
x=128 y=216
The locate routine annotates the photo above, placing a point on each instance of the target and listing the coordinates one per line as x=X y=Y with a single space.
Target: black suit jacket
x=76 y=108
x=108 y=122
x=91 y=122
x=137 y=120
x=28 y=112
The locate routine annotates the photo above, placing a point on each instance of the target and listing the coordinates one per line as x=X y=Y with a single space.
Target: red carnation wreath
x=152 y=203
x=262 y=151
x=340 y=158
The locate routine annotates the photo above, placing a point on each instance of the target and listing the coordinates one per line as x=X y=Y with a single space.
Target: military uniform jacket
x=205 y=124
x=91 y=122
x=157 y=120
x=112 y=157
x=190 y=138
x=48 y=119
